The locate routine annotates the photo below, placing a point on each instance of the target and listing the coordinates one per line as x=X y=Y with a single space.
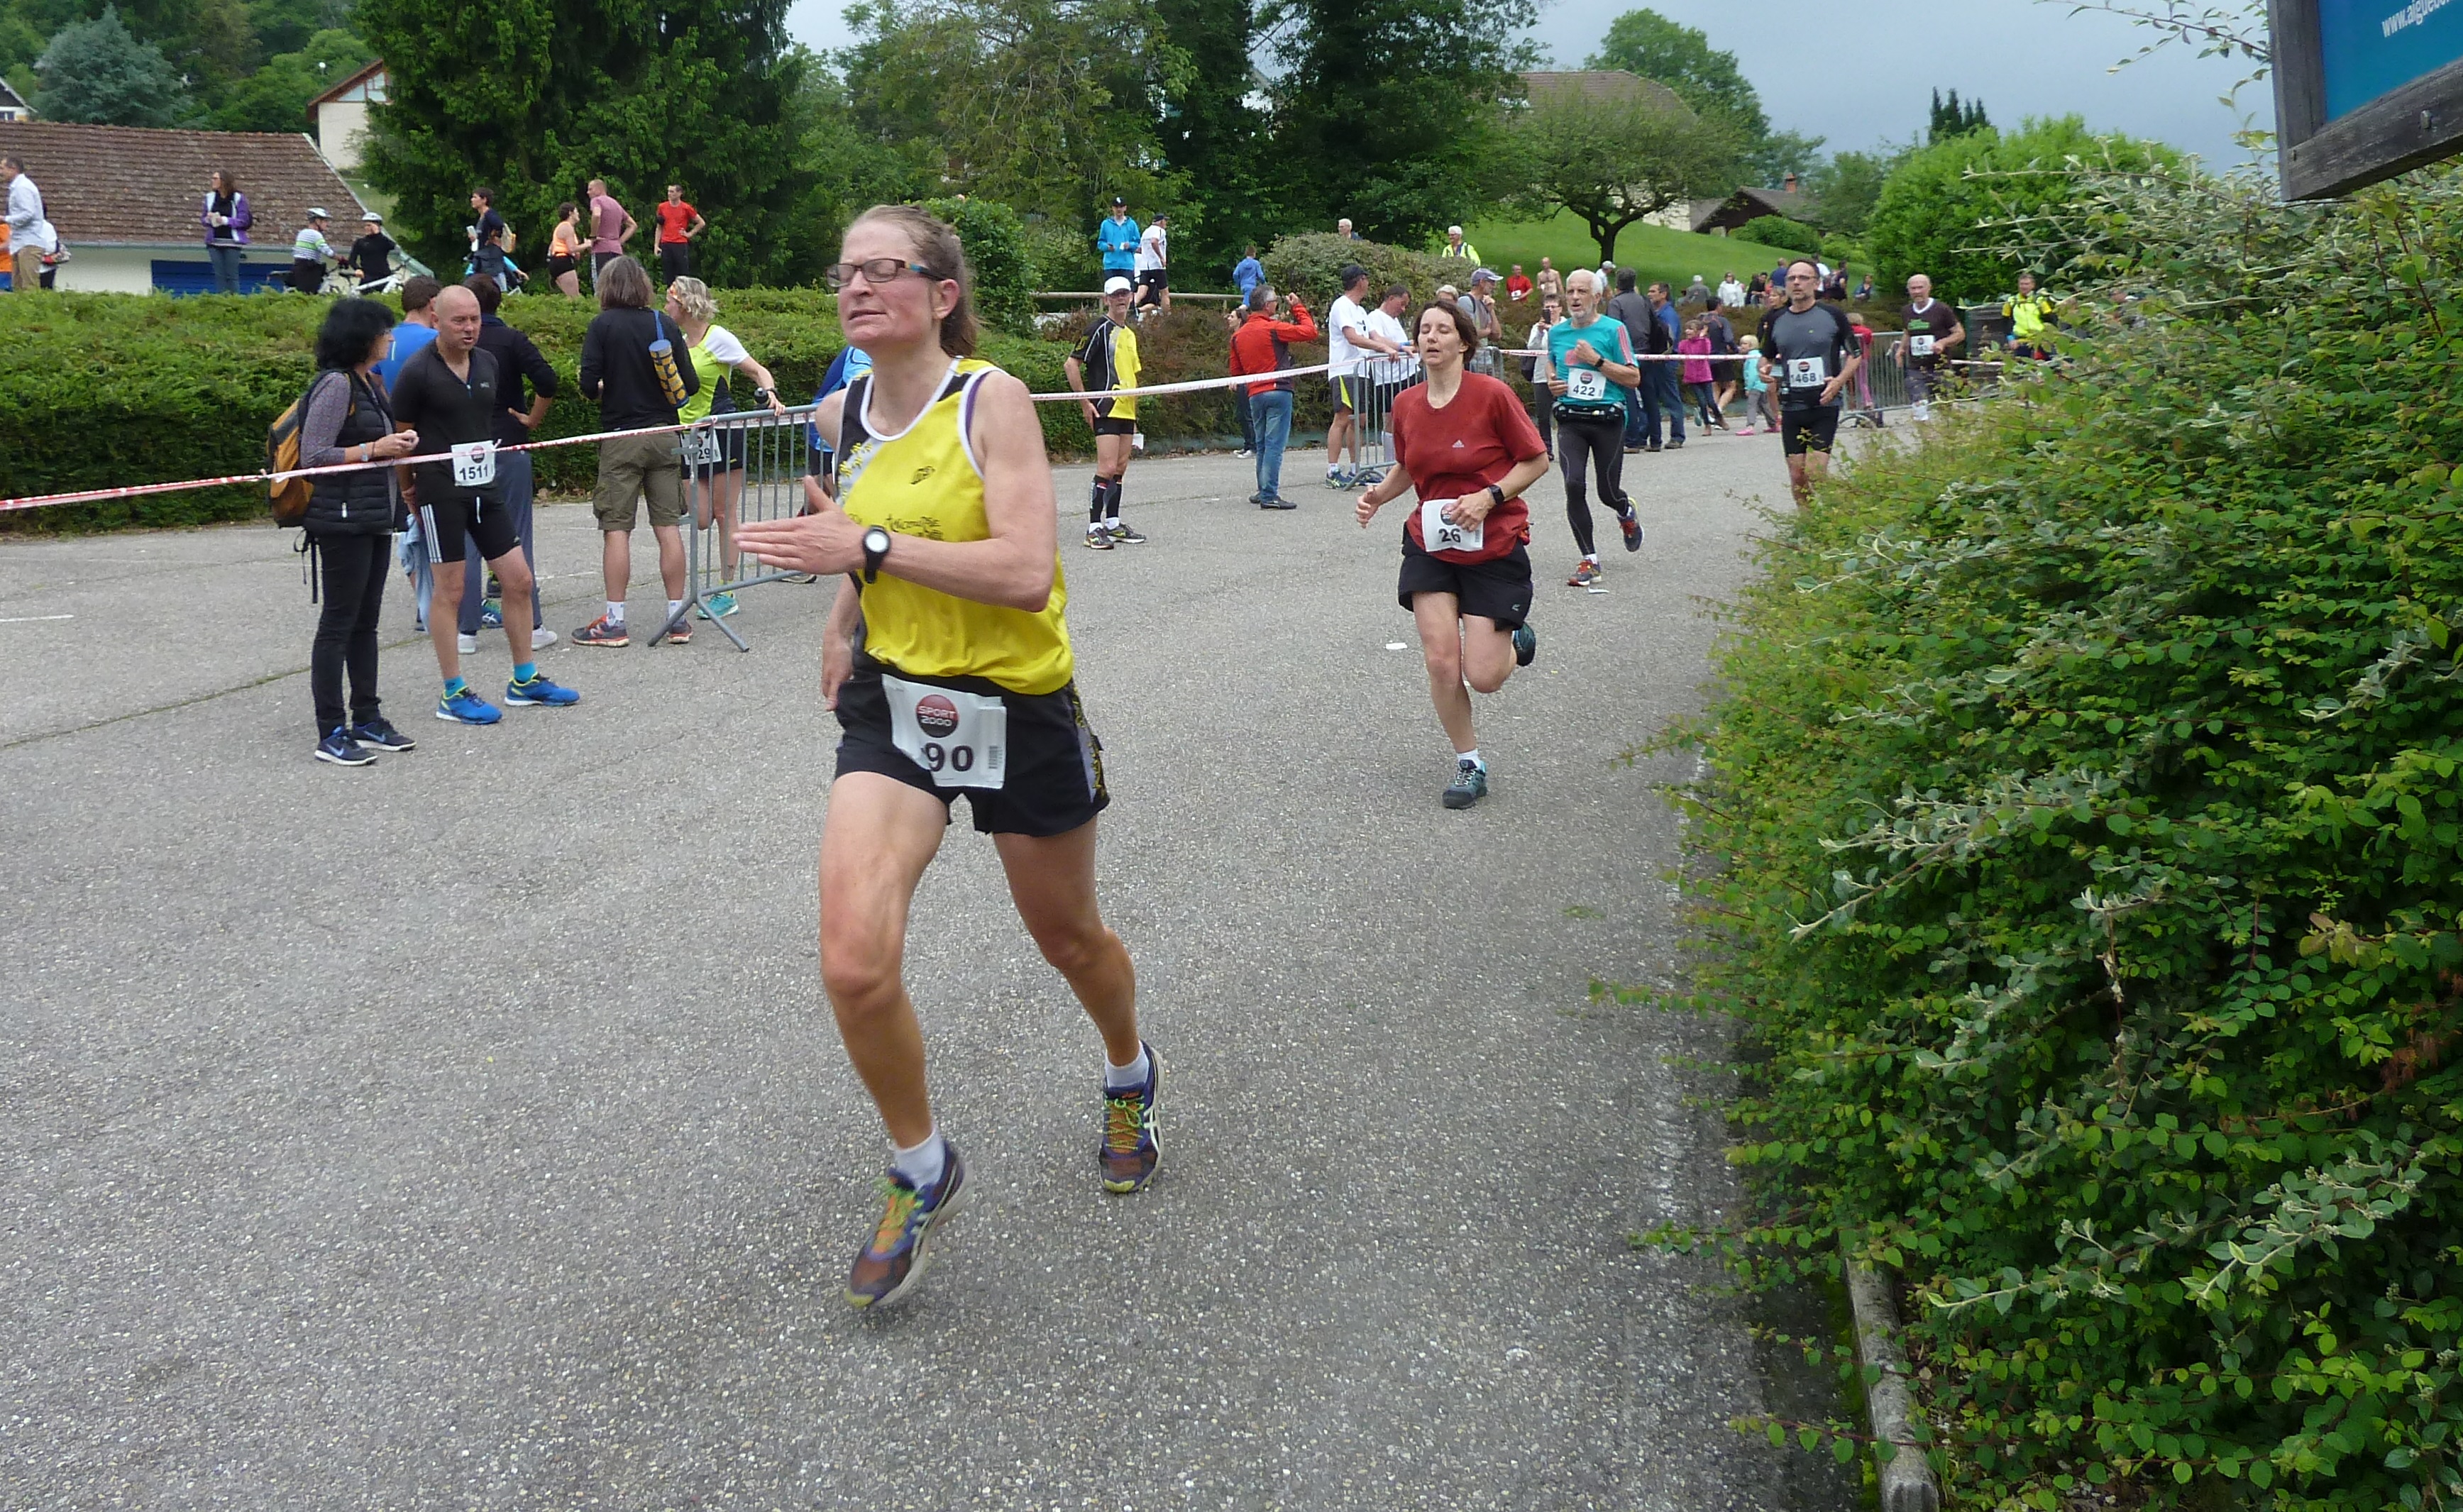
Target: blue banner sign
x=2371 y=46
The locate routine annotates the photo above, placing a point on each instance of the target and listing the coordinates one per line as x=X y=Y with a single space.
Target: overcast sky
x=1863 y=74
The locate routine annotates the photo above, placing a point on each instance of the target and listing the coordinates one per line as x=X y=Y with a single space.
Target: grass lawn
x=1652 y=252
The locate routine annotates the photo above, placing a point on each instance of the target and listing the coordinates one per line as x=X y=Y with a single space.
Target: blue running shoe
x=1469 y=785
x=467 y=707
x=379 y=734
x=893 y=1260
x=342 y=750
x=717 y=606
x=492 y=613
x=1129 y=1149
x=538 y=691
x=1526 y=645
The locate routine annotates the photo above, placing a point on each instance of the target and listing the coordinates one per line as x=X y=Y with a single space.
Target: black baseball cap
x=1117 y=200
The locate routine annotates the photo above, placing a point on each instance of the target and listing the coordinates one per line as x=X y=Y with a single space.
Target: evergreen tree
x=534 y=98
x=1953 y=119
x=96 y=71
x=1214 y=139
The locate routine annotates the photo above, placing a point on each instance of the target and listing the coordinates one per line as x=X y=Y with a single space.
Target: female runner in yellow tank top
x=944 y=523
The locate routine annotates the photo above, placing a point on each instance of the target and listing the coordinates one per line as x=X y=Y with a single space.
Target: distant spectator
x=1117 y=240
x=679 y=223
x=1760 y=410
x=1754 y=291
x=371 y=256
x=31 y=236
x=1456 y=248
x=1248 y=272
x=564 y=251
x=1865 y=288
x=1644 y=335
x=1699 y=392
x=1388 y=376
x=418 y=327
x=1732 y=294
x=1543 y=404
x=1696 y=292
x=1262 y=346
x=2028 y=312
x=1550 y=285
x=309 y=253
x=1833 y=285
x=487 y=239
x=1154 y=276
x=611 y=227
x=350 y=517
x=1723 y=343
x=1481 y=304
x=622 y=370
x=1342 y=228
x=730 y=379
x=226 y=220
x=1517 y=287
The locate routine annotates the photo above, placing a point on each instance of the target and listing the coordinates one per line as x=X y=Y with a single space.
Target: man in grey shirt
x=1640 y=402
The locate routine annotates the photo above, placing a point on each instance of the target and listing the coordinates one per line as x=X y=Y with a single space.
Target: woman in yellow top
x=943 y=522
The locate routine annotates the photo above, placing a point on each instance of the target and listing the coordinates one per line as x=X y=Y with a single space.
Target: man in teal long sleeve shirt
x=1117 y=238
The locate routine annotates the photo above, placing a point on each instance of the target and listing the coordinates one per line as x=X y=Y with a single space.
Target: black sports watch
x=876 y=547
x=1498 y=494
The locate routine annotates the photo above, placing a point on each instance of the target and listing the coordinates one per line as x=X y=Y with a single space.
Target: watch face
x=876 y=539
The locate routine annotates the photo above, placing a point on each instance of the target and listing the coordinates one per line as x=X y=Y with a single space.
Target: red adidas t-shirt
x=1462 y=448
x=673 y=219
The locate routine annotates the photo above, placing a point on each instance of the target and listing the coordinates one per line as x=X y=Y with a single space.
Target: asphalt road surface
x=470 y=1131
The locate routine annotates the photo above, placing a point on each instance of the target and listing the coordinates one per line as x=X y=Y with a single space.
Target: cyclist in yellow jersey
x=943 y=522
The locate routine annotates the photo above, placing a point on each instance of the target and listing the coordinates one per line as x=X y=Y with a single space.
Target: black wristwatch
x=1498 y=494
x=876 y=547
x=761 y=395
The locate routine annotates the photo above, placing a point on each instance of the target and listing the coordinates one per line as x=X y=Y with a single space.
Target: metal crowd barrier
x=744 y=467
x=1372 y=440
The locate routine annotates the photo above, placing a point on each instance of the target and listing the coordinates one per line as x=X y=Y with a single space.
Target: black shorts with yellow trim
x=1809 y=429
x=1055 y=782
x=1347 y=390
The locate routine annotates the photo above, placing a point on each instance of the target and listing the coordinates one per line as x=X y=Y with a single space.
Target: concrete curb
x=1907 y=1483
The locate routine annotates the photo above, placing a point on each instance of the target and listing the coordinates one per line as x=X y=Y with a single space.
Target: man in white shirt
x=1154 y=285
x=29 y=234
x=1391 y=373
x=1349 y=340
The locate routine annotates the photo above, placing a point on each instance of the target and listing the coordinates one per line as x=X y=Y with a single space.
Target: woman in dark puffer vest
x=351 y=519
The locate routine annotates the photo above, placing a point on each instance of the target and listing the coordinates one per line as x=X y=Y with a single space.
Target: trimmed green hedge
x=99 y=390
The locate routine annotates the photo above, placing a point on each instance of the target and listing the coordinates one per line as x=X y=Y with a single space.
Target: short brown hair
x=623 y=285
x=935 y=244
x=486 y=290
x=1463 y=326
x=418 y=293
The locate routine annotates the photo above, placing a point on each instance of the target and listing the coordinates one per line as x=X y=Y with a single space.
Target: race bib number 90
x=962 y=739
x=474 y=464
x=1588 y=384
x=1437 y=533
x=1805 y=372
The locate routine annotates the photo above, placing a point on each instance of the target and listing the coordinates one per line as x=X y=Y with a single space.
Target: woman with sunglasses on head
x=1462 y=439
x=943 y=521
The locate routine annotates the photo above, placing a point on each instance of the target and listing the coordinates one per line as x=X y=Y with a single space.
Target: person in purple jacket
x=225 y=221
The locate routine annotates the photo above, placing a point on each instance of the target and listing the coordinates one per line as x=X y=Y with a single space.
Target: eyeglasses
x=876 y=272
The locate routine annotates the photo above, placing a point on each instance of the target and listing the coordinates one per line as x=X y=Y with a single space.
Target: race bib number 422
x=962 y=739
x=1588 y=384
x=1437 y=533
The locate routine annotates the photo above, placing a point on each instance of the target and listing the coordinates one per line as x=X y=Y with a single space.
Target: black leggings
x=354 y=569
x=1603 y=438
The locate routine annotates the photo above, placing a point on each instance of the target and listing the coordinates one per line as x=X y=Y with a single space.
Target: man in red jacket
x=1261 y=345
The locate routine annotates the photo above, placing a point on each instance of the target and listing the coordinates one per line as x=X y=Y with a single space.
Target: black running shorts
x=1055 y=782
x=449 y=519
x=1803 y=430
x=1114 y=425
x=1498 y=588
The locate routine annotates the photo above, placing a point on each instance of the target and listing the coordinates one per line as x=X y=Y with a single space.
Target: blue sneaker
x=540 y=692
x=893 y=1260
x=342 y=750
x=717 y=606
x=379 y=734
x=1526 y=644
x=1469 y=785
x=1129 y=1150
x=492 y=613
x=467 y=707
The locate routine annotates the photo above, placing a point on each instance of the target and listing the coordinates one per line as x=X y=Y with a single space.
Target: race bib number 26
x=962 y=739
x=1437 y=533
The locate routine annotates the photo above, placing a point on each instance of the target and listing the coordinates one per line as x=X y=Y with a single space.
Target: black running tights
x=352 y=569
x=1603 y=440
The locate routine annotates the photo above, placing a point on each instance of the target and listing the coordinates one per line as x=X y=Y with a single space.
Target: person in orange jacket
x=1263 y=345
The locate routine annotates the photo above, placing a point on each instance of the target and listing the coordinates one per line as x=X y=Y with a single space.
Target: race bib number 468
x=1807 y=373
x=962 y=739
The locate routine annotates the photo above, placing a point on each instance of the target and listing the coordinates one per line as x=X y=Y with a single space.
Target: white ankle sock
x=921 y=1164
x=675 y=607
x=615 y=612
x=1469 y=758
x=1119 y=1077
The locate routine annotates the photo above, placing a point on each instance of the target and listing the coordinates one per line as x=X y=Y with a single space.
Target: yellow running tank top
x=923 y=481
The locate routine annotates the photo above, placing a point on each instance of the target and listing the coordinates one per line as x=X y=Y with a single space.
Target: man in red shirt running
x=679 y=223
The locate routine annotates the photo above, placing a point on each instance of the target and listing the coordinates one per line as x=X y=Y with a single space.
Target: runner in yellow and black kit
x=962 y=684
x=1108 y=358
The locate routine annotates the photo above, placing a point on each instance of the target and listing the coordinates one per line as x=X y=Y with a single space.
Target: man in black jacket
x=621 y=370
x=524 y=386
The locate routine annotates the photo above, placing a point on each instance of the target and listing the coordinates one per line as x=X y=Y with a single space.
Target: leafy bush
x=1311 y=266
x=1062 y=255
x=995 y=245
x=1778 y=230
x=1936 y=201
x=2082 y=836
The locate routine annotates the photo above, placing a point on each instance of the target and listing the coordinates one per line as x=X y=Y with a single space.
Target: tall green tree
x=275 y=97
x=1680 y=57
x=1215 y=137
x=1613 y=162
x=536 y=97
x=96 y=72
x=1386 y=110
x=1846 y=188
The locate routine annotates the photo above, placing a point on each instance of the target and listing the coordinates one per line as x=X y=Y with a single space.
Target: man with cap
x=1480 y=304
x=308 y=251
x=371 y=256
x=1458 y=250
x=1108 y=359
x=1117 y=238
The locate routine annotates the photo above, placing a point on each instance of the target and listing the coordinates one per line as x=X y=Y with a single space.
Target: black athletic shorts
x=446 y=521
x=1155 y=278
x=1803 y=430
x=1498 y=588
x=1114 y=425
x=1055 y=781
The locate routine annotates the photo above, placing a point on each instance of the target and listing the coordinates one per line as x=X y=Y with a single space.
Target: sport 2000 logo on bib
x=936 y=716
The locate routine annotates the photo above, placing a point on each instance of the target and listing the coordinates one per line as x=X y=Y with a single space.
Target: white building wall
x=341 y=132
x=130 y=269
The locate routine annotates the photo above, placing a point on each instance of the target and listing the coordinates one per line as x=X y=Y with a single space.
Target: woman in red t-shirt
x=1464 y=441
